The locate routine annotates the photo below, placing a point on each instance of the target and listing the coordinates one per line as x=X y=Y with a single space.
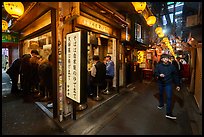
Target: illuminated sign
x=140 y=56
x=9 y=37
x=73 y=62
x=93 y=24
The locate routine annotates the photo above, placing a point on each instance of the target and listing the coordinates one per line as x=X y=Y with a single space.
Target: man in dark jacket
x=13 y=73
x=166 y=74
x=98 y=74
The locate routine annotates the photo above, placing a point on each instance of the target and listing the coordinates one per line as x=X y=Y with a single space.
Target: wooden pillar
x=60 y=95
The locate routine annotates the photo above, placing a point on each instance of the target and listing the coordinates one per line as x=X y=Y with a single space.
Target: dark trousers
x=91 y=86
x=169 y=94
x=111 y=79
x=14 y=87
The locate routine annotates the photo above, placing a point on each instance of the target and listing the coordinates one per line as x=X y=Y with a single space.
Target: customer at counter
x=109 y=70
x=97 y=75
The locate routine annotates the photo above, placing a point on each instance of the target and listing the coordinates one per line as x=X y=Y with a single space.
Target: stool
x=98 y=97
x=107 y=90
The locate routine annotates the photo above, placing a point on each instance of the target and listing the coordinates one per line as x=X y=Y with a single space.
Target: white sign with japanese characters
x=73 y=61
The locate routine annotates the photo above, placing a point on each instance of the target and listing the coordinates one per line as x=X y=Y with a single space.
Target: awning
x=135 y=44
x=140 y=46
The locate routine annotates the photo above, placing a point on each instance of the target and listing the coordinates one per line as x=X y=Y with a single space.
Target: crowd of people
x=35 y=75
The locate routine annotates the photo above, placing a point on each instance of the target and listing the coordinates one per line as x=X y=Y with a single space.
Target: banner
x=9 y=37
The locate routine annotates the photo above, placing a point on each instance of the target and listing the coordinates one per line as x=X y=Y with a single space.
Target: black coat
x=45 y=74
x=170 y=72
x=100 y=72
x=14 y=69
x=177 y=68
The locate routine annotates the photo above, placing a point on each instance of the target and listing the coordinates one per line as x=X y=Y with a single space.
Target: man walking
x=166 y=74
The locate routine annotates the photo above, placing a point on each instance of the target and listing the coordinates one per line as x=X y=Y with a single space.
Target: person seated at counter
x=97 y=75
x=109 y=69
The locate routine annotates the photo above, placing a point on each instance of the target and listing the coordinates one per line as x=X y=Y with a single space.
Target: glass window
x=138 y=32
x=164 y=20
x=42 y=43
x=170 y=3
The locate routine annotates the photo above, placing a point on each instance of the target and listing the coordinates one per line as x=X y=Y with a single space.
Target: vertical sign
x=114 y=54
x=73 y=68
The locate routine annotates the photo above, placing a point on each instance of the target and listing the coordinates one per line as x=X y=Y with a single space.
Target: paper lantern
x=139 y=6
x=4 y=25
x=151 y=20
x=161 y=35
x=165 y=39
x=158 y=30
x=15 y=9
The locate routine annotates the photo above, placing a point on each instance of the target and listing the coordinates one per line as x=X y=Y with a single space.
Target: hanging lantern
x=158 y=30
x=139 y=6
x=161 y=35
x=151 y=20
x=15 y=9
x=165 y=39
x=4 y=25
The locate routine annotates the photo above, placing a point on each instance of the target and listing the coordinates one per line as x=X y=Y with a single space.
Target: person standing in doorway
x=166 y=74
x=109 y=68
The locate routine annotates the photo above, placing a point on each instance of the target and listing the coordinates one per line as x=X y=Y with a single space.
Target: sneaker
x=160 y=107
x=50 y=105
x=170 y=116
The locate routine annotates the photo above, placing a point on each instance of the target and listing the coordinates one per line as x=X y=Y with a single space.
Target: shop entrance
x=132 y=67
x=102 y=46
x=5 y=59
x=99 y=45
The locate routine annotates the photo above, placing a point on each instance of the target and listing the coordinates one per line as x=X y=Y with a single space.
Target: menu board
x=73 y=62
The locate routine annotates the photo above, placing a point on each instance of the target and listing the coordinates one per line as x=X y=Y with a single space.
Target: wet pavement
x=133 y=111
x=20 y=118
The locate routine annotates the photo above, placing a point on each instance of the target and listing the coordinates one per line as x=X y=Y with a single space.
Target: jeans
x=169 y=93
